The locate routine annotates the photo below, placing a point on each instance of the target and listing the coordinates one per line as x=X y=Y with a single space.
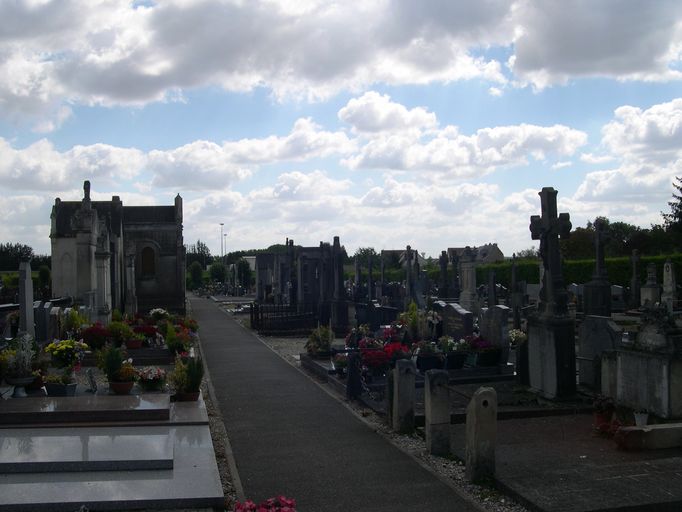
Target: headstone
x=597 y=334
x=354 y=384
x=481 y=435
x=597 y=292
x=551 y=339
x=533 y=292
x=54 y=324
x=26 y=321
x=443 y=283
x=403 y=396
x=650 y=293
x=635 y=285
x=516 y=298
x=455 y=290
x=456 y=321
x=669 y=295
x=492 y=290
x=494 y=325
x=468 y=296
x=437 y=412
x=41 y=327
x=617 y=298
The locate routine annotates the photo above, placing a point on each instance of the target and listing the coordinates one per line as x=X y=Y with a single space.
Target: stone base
x=551 y=356
x=651 y=437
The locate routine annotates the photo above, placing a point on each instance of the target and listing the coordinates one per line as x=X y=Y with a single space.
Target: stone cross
x=600 y=237
x=553 y=300
x=408 y=274
x=443 y=285
x=26 y=322
x=635 y=284
x=370 y=279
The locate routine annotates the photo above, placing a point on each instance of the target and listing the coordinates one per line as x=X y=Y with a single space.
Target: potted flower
x=517 y=336
x=13 y=321
x=120 y=372
x=151 y=378
x=96 y=335
x=482 y=352
x=319 y=342
x=428 y=356
x=641 y=417
x=67 y=355
x=186 y=378
x=20 y=365
x=134 y=341
x=120 y=332
x=340 y=362
x=455 y=352
x=604 y=408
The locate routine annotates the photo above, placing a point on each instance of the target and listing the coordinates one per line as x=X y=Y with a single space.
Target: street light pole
x=221 y=242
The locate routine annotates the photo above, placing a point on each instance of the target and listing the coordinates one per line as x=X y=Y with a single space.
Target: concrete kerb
x=324 y=387
x=229 y=455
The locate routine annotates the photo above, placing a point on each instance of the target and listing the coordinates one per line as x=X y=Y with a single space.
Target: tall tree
x=673 y=220
x=198 y=252
x=11 y=255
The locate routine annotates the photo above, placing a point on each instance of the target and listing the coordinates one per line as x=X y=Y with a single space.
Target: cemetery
x=560 y=395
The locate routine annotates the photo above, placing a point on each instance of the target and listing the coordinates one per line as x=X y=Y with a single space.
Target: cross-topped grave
x=635 y=284
x=597 y=293
x=551 y=339
x=548 y=228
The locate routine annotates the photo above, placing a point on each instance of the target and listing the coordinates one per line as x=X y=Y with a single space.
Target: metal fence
x=288 y=318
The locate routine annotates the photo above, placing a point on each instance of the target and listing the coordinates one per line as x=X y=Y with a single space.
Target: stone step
x=61 y=450
x=193 y=483
x=85 y=409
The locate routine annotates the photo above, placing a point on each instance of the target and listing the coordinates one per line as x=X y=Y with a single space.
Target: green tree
x=218 y=272
x=362 y=253
x=244 y=273
x=44 y=276
x=528 y=254
x=196 y=274
x=579 y=245
x=198 y=252
x=673 y=220
x=12 y=254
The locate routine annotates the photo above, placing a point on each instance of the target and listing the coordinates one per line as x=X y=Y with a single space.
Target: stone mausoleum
x=106 y=255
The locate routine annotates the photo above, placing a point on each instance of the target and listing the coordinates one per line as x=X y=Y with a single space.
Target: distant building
x=488 y=253
x=106 y=255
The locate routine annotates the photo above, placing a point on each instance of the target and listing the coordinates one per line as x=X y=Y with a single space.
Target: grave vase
x=455 y=360
x=19 y=384
x=121 y=388
x=428 y=362
x=57 y=389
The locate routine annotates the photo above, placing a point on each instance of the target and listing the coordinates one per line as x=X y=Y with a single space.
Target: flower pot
x=19 y=383
x=428 y=362
x=486 y=358
x=602 y=421
x=121 y=388
x=56 y=389
x=187 y=396
x=455 y=360
x=36 y=384
x=151 y=385
x=133 y=344
x=641 y=419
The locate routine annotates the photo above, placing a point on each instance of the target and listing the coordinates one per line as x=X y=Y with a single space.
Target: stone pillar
x=597 y=293
x=492 y=289
x=455 y=290
x=26 y=319
x=669 y=295
x=102 y=307
x=370 y=279
x=481 y=435
x=635 y=285
x=131 y=295
x=437 y=412
x=354 y=384
x=443 y=283
x=651 y=291
x=403 y=396
x=468 y=297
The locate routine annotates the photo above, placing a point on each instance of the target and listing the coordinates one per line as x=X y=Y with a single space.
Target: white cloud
x=561 y=165
x=374 y=112
x=591 y=158
x=620 y=39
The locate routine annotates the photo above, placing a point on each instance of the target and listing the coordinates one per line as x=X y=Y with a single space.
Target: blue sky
x=388 y=122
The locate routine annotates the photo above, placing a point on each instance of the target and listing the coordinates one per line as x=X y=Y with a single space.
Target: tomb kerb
x=551 y=330
x=597 y=293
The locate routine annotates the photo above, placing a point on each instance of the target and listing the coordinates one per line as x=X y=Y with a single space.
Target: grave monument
x=551 y=339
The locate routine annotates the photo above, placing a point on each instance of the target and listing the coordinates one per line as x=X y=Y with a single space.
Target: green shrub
x=319 y=340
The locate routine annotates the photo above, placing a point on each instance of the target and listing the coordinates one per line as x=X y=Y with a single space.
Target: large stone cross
x=548 y=228
x=600 y=237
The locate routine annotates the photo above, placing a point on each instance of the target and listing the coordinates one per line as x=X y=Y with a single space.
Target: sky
x=384 y=122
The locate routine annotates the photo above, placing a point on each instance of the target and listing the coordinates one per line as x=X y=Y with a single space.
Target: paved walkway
x=289 y=437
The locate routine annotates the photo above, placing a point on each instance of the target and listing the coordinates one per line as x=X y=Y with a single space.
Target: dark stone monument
x=454 y=291
x=456 y=321
x=516 y=298
x=597 y=334
x=443 y=284
x=339 y=312
x=370 y=279
x=635 y=285
x=468 y=296
x=650 y=293
x=492 y=290
x=597 y=293
x=551 y=330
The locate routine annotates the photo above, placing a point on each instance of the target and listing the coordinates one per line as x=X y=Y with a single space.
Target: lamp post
x=225 y=245
x=221 y=241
